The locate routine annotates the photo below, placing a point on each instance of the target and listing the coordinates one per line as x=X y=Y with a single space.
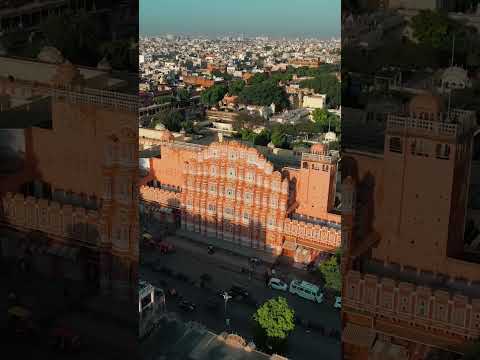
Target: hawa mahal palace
x=232 y=192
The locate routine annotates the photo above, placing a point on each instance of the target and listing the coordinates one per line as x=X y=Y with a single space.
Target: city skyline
x=308 y=19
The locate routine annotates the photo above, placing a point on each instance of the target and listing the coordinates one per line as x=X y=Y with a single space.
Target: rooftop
x=179 y=341
x=35 y=71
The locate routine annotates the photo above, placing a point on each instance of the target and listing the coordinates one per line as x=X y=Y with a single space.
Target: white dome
x=455 y=72
x=330 y=136
x=50 y=55
x=455 y=77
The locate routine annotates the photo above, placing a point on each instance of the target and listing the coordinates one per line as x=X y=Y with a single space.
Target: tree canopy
x=326 y=120
x=330 y=271
x=183 y=95
x=265 y=93
x=436 y=29
x=75 y=35
x=258 y=78
x=173 y=120
x=274 y=320
x=325 y=84
x=236 y=87
x=213 y=95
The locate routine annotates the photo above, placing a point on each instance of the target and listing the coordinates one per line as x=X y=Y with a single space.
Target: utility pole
x=226 y=297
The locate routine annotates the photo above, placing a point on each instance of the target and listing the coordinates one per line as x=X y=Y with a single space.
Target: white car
x=277 y=284
x=338 y=302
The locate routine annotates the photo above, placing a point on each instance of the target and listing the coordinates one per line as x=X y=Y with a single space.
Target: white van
x=306 y=290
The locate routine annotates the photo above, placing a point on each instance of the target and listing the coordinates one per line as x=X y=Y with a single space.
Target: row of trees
x=82 y=39
x=284 y=135
x=173 y=121
x=325 y=84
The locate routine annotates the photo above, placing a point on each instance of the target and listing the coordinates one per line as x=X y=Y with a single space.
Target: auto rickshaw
x=148 y=240
x=20 y=320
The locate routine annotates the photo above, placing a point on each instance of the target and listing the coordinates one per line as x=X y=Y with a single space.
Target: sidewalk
x=238 y=256
x=233 y=249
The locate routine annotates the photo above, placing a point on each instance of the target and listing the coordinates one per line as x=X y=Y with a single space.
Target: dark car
x=238 y=291
x=186 y=305
x=212 y=304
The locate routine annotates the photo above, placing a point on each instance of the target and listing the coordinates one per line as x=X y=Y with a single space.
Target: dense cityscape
x=273 y=106
x=267 y=190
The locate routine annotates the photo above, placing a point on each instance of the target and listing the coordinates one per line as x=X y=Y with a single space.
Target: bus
x=306 y=290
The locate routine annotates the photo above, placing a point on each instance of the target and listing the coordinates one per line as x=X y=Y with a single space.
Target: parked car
x=338 y=302
x=187 y=305
x=306 y=290
x=277 y=284
x=237 y=290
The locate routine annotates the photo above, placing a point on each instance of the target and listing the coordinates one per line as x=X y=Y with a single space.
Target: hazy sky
x=319 y=18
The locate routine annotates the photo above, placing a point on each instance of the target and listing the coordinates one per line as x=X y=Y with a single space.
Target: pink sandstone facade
x=79 y=187
x=231 y=192
x=408 y=286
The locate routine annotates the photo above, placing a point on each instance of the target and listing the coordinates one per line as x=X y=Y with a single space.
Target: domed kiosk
x=455 y=78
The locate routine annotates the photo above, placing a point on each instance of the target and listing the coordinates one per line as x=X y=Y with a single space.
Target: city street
x=193 y=260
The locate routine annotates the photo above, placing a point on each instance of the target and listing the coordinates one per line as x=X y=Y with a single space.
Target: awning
x=358 y=335
x=290 y=245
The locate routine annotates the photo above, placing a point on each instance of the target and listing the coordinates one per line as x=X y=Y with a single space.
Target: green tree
x=325 y=84
x=431 y=28
x=117 y=52
x=326 y=120
x=263 y=138
x=436 y=29
x=274 y=321
x=187 y=125
x=330 y=271
x=279 y=139
x=171 y=119
x=236 y=87
x=258 y=78
x=265 y=93
x=226 y=76
x=213 y=95
x=183 y=95
x=75 y=35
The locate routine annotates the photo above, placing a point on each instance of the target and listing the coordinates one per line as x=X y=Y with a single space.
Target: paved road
x=194 y=261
